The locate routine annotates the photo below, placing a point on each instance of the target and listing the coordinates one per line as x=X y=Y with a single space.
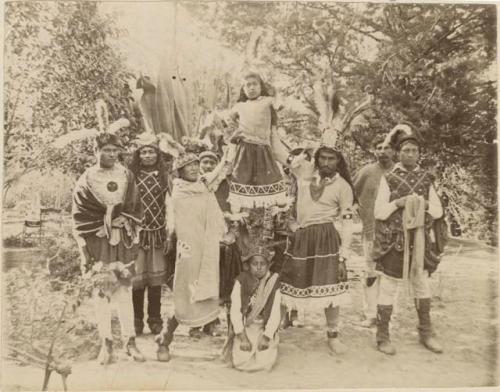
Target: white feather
x=101 y=110
x=117 y=125
x=70 y=137
x=321 y=104
x=169 y=145
x=400 y=127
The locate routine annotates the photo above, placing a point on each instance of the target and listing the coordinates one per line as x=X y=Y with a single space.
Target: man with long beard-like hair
x=314 y=274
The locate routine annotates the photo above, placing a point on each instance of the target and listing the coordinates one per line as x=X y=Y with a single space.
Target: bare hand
x=401 y=202
x=263 y=343
x=296 y=160
x=237 y=137
x=119 y=221
x=245 y=343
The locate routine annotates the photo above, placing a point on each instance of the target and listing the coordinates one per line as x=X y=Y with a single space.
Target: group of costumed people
x=206 y=227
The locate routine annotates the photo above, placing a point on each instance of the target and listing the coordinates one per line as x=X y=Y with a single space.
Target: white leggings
x=388 y=288
x=121 y=300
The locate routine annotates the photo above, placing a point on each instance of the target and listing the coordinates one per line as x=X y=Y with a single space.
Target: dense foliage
x=59 y=58
x=432 y=65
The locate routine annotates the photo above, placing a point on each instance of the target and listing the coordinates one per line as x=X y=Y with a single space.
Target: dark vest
x=388 y=245
x=248 y=286
x=153 y=203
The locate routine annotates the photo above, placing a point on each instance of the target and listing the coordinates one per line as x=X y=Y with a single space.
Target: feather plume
x=117 y=125
x=351 y=115
x=102 y=115
x=103 y=127
x=327 y=102
x=169 y=145
x=334 y=100
x=73 y=136
x=321 y=102
x=396 y=132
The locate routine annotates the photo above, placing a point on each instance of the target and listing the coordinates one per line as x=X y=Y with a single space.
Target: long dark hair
x=265 y=91
x=342 y=168
x=163 y=165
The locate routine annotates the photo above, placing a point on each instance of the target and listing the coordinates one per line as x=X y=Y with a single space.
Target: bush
x=32 y=312
x=63 y=258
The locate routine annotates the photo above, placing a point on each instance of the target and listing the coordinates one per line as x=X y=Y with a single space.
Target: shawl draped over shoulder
x=90 y=215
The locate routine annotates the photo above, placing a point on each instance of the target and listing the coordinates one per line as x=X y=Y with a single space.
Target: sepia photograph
x=249 y=195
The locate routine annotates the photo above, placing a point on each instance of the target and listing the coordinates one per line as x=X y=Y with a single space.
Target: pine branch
x=437 y=44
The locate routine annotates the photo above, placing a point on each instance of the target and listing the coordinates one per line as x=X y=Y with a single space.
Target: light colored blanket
x=200 y=226
x=413 y=223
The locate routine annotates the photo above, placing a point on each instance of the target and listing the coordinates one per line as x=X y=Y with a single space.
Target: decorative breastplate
x=402 y=183
x=109 y=185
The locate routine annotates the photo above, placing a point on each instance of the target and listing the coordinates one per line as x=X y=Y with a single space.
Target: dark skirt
x=309 y=278
x=391 y=264
x=256 y=180
x=100 y=249
x=150 y=266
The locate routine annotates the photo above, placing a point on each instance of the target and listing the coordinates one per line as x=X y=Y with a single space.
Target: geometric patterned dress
x=151 y=266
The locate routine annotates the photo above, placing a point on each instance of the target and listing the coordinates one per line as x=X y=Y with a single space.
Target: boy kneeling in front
x=255 y=314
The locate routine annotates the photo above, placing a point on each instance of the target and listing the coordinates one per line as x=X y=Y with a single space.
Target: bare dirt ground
x=464 y=314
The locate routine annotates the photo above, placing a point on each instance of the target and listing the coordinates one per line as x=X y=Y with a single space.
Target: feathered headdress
x=168 y=145
x=184 y=159
x=103 y=139
x=103 y=127
x=328 y=106
x=147 y=139
x=258 y=249
x=399 y=134
x=194 y=145
x=333 y=119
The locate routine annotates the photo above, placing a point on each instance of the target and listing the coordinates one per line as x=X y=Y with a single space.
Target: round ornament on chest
x=112 y=186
